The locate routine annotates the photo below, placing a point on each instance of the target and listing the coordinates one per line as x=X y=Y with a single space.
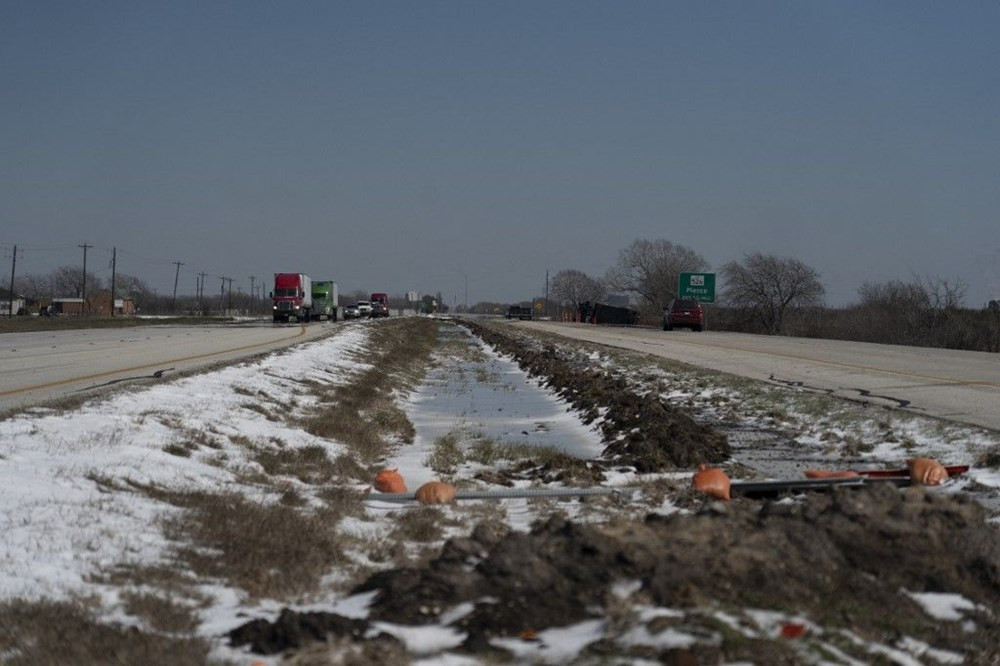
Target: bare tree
x=651 y=269
x=571 y=287
x=35 y=286
x=909 y=312
x=922 y=295
x=67 y=282
x=129 y=286
x=768 y=287
x=942 y=293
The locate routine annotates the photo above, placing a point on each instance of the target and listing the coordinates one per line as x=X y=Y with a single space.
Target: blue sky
x=404 y=146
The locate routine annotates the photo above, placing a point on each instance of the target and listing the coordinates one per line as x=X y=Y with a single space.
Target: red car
x=685 y=313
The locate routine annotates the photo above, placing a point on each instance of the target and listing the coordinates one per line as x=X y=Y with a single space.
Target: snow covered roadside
x=63 y=522
x=65 y=496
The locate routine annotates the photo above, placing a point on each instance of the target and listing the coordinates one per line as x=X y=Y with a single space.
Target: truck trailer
x=292 y=297
x=324 y=300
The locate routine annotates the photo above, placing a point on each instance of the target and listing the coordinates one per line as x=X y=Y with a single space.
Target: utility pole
x=222 y=294
x=13 y=263
x=177 y=274
x=201 y=290
x=83 y=291
x=546 y=293
x=253 y=294
x=114 y=266
x=230 y=305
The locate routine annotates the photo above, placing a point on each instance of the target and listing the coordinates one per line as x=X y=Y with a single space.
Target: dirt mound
x=640 y=430
x=293 y=630
x=844 y=558
x=847 y=559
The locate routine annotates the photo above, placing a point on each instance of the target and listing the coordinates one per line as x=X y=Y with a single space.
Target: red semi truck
x=380 y=304
x=292 y=297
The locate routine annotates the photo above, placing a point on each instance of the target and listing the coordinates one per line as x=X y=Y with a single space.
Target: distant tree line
x=772 y=295
x=40 y=289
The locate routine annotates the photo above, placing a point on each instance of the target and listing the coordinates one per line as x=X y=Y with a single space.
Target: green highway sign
x=699 y=286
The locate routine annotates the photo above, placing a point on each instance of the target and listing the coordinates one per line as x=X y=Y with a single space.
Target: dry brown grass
x=309 y=464
x=419 y=524
x=266 y=548
x=42 y=633
x=161 y=612
x=362 y=413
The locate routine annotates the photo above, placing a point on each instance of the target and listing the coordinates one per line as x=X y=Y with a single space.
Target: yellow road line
x=111 y=373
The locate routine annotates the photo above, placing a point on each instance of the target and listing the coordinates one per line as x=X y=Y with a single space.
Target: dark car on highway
x=683 y=313
x=518 y=312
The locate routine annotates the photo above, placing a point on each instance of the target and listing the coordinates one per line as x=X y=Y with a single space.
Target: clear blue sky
x=418 y=145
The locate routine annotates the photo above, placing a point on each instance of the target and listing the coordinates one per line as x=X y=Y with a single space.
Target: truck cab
x=324 y=296
x=292 y=297
x=380 y=304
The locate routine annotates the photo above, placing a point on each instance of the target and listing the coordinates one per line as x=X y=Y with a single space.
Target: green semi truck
x=324 y=297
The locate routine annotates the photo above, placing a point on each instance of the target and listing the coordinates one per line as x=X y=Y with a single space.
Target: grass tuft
x=68 y=632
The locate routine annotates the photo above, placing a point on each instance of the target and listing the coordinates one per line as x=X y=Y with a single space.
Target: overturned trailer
x=599 y=313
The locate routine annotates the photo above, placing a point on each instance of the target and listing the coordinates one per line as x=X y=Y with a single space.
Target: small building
x=98 y=305
x=67 y=306
x=18 y=305
x=124 y=306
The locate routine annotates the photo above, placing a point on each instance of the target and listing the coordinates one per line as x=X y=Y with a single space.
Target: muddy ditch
x=641 y=430
x=843 y=571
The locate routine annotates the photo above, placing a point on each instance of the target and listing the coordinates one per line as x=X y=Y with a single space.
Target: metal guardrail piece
x=508 y=493
x=746 y=488
x=774 y=488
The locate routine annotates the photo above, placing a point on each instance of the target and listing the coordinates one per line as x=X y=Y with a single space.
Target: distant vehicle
x=379 y=309
x=383 y=298
x=324 y=296
x=683 y=313
x=292 y=297
x=364 y=308
x=351 y=312
x=518 y=312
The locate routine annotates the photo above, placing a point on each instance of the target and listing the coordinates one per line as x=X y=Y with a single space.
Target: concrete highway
x=961 y=386
x=955 y=385
x=39 y=367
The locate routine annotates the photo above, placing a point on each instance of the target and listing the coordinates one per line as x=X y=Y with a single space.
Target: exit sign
x=699 y=286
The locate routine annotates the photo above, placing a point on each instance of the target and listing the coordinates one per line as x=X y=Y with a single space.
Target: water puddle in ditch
x=474 y=394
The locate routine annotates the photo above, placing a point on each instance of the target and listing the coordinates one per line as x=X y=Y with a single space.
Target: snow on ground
x=63 y=521
x=779 y=431
x=488 y=397
x=60 y=520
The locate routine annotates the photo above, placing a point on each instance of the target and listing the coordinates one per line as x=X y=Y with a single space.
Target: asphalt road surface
x=961 y=386
x=39 y=367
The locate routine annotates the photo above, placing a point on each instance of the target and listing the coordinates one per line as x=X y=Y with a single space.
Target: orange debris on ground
x=389 y=481
x=436 y=492
x=711 y=481
x=927 y=471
